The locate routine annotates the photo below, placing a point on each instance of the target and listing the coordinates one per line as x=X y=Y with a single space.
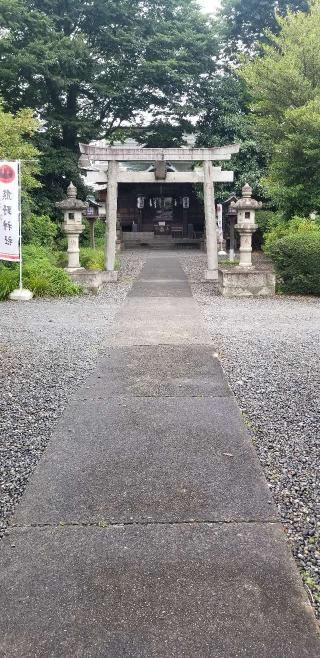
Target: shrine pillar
x=211 y=225
x=111 y=216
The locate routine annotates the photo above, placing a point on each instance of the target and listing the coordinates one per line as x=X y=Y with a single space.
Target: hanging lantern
x=140 y=202
x=186 y=202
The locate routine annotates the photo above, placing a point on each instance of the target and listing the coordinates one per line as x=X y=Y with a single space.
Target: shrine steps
x=150 y=241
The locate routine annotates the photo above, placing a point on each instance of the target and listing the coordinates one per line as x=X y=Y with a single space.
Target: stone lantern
x=246 y=213
x=245 y=280
x=72 y=209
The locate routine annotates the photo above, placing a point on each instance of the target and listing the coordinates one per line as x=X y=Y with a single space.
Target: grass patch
x=92 y=259
x=41 y=274
x=229 y=263
x=9 y=280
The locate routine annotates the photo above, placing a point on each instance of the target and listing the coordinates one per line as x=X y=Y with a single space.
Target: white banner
x=9 y=211
x=219 y=221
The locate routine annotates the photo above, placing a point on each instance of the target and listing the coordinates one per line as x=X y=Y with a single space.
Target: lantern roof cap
x=71 y=202
x=246 y=202
x=247 y=190
x=71 y=190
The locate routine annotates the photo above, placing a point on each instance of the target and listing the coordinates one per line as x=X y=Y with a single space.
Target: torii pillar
x=211 y=273
x=111 y=218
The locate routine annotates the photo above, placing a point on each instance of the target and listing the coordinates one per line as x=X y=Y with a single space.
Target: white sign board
x=9 y=211
x=219 y=221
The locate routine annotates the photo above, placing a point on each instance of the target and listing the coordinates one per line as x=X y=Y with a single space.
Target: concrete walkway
x=147 y=529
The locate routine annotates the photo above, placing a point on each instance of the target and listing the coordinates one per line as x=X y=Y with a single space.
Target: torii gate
x=208 y=177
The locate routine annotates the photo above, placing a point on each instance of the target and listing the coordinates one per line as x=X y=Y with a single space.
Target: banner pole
x=20 y=294
x=20 y=225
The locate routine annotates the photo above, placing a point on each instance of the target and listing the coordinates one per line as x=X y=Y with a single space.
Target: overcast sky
x=210 y=5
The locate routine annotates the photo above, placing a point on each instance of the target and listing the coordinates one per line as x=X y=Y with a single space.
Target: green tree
x=224 y=119
x=39 y=230
x=91 y=69
x=224 y=111
x=243 y=23
x=284 y=83
x=16 y=132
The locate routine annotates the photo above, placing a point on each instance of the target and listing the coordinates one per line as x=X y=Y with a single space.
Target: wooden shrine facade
x=159 y=209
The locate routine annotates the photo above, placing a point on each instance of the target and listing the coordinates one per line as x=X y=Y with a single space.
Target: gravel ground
x=270 y=351
x=47 y=348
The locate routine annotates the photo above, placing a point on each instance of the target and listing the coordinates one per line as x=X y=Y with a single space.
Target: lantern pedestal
x=246 y=231
x=92 y=280
x=73 y=234
x=250 y=282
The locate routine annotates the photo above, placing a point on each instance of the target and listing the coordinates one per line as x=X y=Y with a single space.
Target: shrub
x=92 y=259
x=39 y=230
x=32 y=253
x=281 y=228
x=61 y=242
x=40 y=274
x=99 y=233
x=38 y=283
x=61 y=258
x=297 y=261
x=264 y=219
x=48 y=280
x=9 y=280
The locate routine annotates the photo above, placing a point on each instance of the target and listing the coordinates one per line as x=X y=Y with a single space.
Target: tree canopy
x=15 y=135
x=224 y=119
x=243 y=23
x=159 y=68
x=225 y=114
x=90 y=69
x=284 y=83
